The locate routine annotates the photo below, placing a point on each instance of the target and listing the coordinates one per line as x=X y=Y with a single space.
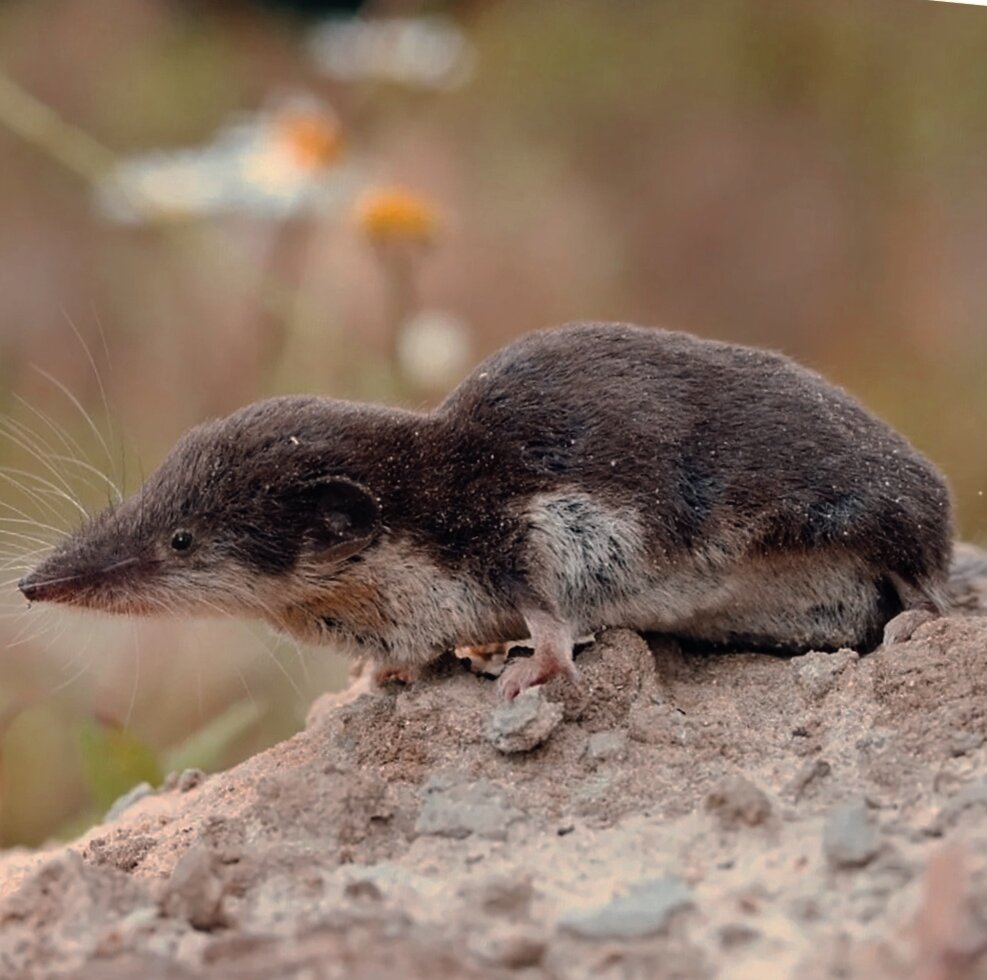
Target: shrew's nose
x=40 y=587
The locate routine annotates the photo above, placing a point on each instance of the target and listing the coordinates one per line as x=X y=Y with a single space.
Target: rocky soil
x=677 y=816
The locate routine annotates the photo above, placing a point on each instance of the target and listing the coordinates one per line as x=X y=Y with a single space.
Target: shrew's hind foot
x=531 y=671
x=491 y=659
x=553 y=640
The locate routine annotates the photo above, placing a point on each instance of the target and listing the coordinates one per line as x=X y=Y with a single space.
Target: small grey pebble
x=503 y=895
x=456 y=806
x=735 y=934
x=962 y=742
x=660 y=724
x=128 y=799
x=606 y=747
x=188 y=779
x=645 y=910
x=875 y=741
x=808 y=777
x=515 y=948
x=195 y=890
x=850 y=839
x=971 y=801
x=817 y=673
x=525 y=723
x=736 y=801
x=363 y=889
x=592 y=790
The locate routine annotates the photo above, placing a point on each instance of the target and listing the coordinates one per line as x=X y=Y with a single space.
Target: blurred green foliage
x=114 y=760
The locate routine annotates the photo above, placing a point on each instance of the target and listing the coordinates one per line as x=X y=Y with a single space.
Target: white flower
x=425 y=52
x=274 y=163
x=434 y=349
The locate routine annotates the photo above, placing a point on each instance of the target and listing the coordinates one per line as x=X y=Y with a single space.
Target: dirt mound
x=676 y=816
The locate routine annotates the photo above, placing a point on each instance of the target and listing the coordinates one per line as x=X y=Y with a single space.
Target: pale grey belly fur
x=592 y=562
x=590 y=565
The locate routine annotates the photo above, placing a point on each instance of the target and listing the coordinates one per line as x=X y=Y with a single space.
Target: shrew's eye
x=181 y=540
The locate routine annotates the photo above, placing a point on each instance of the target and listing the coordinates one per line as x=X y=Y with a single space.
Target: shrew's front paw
x=391 y=673
x=531 y=671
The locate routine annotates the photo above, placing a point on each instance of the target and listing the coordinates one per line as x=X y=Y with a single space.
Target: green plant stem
x=39 y=125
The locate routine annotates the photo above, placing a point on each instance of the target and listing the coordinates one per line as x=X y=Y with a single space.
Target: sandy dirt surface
x=680 y=815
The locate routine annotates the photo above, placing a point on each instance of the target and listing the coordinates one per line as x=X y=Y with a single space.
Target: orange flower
x=314 y=139
x=394 y=214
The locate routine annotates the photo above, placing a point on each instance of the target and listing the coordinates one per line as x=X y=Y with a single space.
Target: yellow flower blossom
x=395 y=214
x=312 y=138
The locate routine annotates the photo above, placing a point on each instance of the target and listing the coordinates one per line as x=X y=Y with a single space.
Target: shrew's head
x=239 y=505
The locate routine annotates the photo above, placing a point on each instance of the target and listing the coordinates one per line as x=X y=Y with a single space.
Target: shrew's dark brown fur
x=592 y=475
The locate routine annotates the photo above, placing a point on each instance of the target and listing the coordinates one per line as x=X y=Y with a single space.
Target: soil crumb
x=677 y=815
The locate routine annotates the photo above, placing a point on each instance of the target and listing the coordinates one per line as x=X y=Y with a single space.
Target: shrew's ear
x=343 y=517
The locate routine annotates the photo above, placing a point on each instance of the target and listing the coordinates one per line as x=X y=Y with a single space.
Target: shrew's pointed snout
x=94 y=567
x=40 y=586
x=74 y=580
x=29 y=586
x=59 y=578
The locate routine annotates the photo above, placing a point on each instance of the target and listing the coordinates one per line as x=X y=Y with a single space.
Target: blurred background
x=208 y=202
